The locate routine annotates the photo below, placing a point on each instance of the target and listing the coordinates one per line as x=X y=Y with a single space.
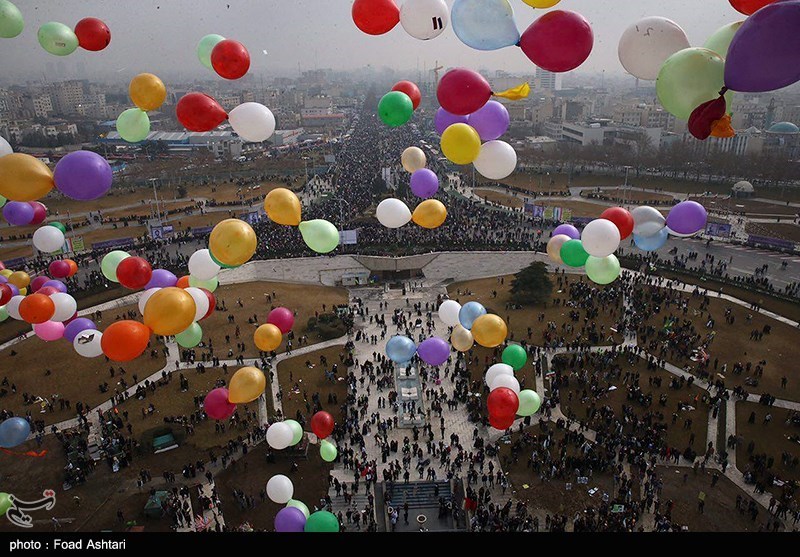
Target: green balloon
x=689 y=78
x=110 y=263
x=603 y=270
x=3 y=201
x=297 y=431
x=320 y=235
x=327 y=450
x=529 y=403
x=322 y=521
x=5 y=503
x=573 y=254
x=210 y=285
x=3 y=317
x=720 y=41
x=11 y=24
x=515 y=356
x=214 y=259
x=299 y=505
x=58 y=39
x=133 y=125
x=58 y=225
x=395 y=109
x=191 y=337
x=204 y=48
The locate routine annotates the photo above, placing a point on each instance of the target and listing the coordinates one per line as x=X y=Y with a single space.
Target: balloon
x=507 y=381
x=375 y=17
x=161 y=278
x=497 y=160
x=559 y=41
x=145 y=297
x=37 y=283
x=230 y=59
x=603 y=270
x=205 y=46
x=37 y=308
x=322 y=424
x=88 y=343
x=20 y=279
x=283 y=207
x=298 y=504
x=191 y=337
x=430 y=214
x=652 y=243
x=393 y=213
x=554 y=247
x=497 y=370
x=57 y=39
x=210 y=285
x=110 y=263
x=461 y=339
x=83 y=175
x=267 y=337
x=3 y=314
x=411 y=90
x=461 y=144
x=328 y=451
x=49 y=331
x=5 y=148
x=11 y=25
x=688 y=79
x=282 y=318
x=123 y=341
x=320 y=235
x=622 y=219
x=541 y=3
x=529 y=403
x=322 y=521
x=503 y=402
x=59 y=225
x=72 y=266
x=413 y=159
x=721 y=40
x=647 y=221
x=5 y=294
x=485 y=24
x=491 y=121
x=18 y=213
x=424 y=183
x=170 y=311
x=600 y=238
x=399 y=349
x=297 y=431
x=687 y=217
x=290 y=519
x=201 y=266
x=395 y=109
x=280 y=489
x=56 y=285
x=77 y=326
x=444 y=120
x=183 y=282
x=216 y=404
x=573 y=254
x=489 y=330
x=24 y=178
x=280 y=435
x=462 y=92
x=134 y=273
x=515 y=356
x=749 y=7
x=448 y=313
x=65 y=307
x=253 y=122
x=434 y=351
x=212 y=303
x=501 y=423
x=147 y=91
x=232 y=242
x=424 y=19
x=12 y=307
x=14 y=432
x=246 y=385
x=93 y=34
x=469 y=313
x=39 y=212
x=646 y=45
x=199 y=112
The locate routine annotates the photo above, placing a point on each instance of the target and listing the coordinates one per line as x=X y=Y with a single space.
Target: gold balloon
x=233 y=242
x=461 y=339
x=169 y=311
x=430 y=214
x=246 y=385
x=489 y=330
x=24 y=178
x=283 y=207
x=147 y=91
x=541 y=3
x=268 y=337
x=413 y=159
x=20 y=279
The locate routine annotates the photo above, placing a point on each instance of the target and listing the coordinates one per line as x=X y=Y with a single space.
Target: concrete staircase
x=418 y=494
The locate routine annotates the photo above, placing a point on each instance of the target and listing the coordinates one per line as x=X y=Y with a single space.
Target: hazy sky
x=161 y=35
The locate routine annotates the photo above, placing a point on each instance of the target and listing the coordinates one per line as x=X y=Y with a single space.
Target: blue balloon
x=469 y=313
x=652 y=243
x=400 y=349
x=485 y=24
x=13 y=432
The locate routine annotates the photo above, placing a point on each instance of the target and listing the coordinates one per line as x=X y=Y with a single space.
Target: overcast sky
x=161 y=35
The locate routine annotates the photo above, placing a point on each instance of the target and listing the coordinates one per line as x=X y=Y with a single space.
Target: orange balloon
x=268 y=337
x=169 y=311
x=147 y=91
x=73 y=267
x=183 y=282
x=124 y=341
x=24 y=178
x=20 y=279
x=37 y=308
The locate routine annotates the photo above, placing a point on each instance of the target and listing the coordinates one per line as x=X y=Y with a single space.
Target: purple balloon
x=491 y=121
x=567 y=230
x=57 y=284
x=444 y=120
x=434 y=351
x=290 y=519
x=3 y=279
x=764 y=52
x=18 y=213
x=161 y=279
x=76 y=327
x=687 y=217
x=14 y=289
x=83 y=175
x=424 y=183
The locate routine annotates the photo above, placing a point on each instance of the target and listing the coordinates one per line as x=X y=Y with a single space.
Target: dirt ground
x=500 y=198
x=748 y=206
x=631 y=195
x=786 y=231
x=299 y=383
x=778 y=437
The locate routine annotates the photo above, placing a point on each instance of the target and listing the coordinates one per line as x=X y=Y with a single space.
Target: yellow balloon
x=413 y=159
x=23 y=291
x=169 y=311
x=6 y=272
x=246 y=385
x=430 y=214
x=147 y=91
x=24 y=178
x=541 y=3
x=489 y=330
x=283 y=207
x=461 y=143
x=233 y=242
x=20 y=279
x=461 y=339
x=268 y=337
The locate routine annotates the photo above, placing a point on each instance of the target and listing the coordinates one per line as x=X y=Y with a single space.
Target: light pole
x=625 y=187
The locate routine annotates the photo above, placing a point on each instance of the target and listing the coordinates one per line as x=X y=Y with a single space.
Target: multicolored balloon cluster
x=59 y=40
x=148 y=93
x=283 y=207
x=397 y=107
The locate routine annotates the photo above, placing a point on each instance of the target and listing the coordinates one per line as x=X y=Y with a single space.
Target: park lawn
x=772 y=439
x=299 y=383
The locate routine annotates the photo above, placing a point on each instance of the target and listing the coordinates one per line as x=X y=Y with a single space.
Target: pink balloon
x=59 y=269
x=282 y=318
x=462 y=91
x=217 y=406
x=38 y=282
x=559 y=41
x=49 y=331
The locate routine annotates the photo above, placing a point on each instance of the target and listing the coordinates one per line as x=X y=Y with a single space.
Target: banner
x=721 y=230
x=122 y=242
x=202 y=231
x=348 y=237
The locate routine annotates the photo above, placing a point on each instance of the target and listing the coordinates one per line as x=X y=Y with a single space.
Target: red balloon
x=702 y=120
x=322 y=424
x=375 y=17
x=183 y=282
x=212 y=303
x=410 y=89
x=5 y=294
x=37 y=308
x=47 y=290
x=230 y=59
x=39 y=212
x=134 y=273
x=199 y=112
x=749 y=7
x=38 y=282
x=282 y=318
x=59 y=269
x=503 y=403
x=92 y=34
x=501 y=423
x=462 y=91
x=621 y=218
x=559 y=41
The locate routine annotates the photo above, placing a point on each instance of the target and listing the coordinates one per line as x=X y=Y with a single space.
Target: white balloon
x=413 y=159
x=448 y=313
x=88 y=343
x=497 y=160
x=12 y=307
x=280 y=489
x=253 y=122
x=393 y=213
x=5 y=148
x=496 y=371
x=202 y=267
x=200 y=302
x=66 y=306
x=424 y=19
x=646 y=45
x=600 y=238
x=279 y=436
x=508 y=381
x=647 y=221
x=679 y=235
x=145 y=297
x=48 y=239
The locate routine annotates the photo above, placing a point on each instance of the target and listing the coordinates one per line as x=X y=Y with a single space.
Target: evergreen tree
x=532 y=285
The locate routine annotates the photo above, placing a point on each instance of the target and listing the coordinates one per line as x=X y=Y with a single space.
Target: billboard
x=718 y=229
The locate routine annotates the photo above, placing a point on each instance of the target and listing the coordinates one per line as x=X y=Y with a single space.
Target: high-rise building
x=548 y=81
x=67 y=96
